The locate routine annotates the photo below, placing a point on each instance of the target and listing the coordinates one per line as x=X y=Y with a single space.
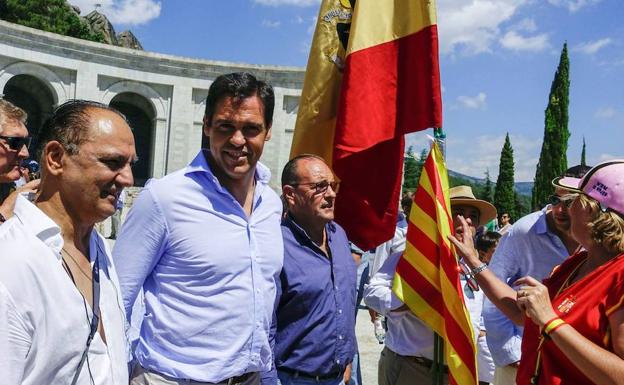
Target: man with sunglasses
x=316 y=292
x=204 y=244
x=533 y=246
x=14 y=142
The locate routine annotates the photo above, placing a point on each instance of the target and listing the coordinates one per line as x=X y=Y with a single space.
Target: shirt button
x=338 y=361
x=340 y=337
x=339 y=311
x=336 y=287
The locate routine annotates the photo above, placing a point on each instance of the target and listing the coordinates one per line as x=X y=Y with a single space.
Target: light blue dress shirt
x=208 y=271
x=529 y=248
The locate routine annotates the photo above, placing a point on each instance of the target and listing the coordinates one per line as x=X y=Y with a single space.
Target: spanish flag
x=372 y=76
x=427 y=275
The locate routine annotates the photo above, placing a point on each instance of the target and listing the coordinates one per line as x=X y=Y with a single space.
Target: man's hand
x=7 y=207
x=347 y=374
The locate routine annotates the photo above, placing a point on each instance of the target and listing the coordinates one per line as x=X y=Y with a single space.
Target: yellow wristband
x=551 y=325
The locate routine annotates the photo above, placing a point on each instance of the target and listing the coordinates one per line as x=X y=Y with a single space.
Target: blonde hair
x=8 y=111
x=606 y=227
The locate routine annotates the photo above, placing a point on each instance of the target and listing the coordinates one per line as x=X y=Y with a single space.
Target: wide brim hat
x=463 y=195
x=604 y=183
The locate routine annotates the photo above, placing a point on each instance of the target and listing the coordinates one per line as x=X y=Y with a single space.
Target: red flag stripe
x=425 y=289
x=422 y=242
x=426 y=202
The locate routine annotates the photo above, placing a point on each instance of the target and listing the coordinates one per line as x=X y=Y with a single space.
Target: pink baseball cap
x=604 y=183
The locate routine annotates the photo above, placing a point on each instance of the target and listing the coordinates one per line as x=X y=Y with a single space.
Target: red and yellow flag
x=372 y=76
x=427 y=275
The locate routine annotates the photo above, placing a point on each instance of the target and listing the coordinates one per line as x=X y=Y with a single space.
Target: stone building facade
x=163 y=96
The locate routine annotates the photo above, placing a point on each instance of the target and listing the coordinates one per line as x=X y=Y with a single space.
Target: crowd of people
x=215 y=279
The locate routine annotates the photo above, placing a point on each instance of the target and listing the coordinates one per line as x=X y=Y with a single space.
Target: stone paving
x=369 y=348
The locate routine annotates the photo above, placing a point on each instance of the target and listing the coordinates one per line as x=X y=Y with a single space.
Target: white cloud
x=471 y=27
x=298 y=20
x=591 y=47
x=573 y=5
x=512 y=40
x=271 y=23
x=605 y=113
x=473 y=102
x=129 y=12
x=297 y=3
x=526 y=25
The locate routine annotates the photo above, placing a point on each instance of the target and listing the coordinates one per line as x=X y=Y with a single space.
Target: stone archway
x=141 y=116
x=33 y=96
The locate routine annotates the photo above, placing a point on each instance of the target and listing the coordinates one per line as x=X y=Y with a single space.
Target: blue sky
x=497 y=61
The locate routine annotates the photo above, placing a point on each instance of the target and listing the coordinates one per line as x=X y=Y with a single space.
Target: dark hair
x=577 y=171
x=406 y=201
x=69 y=125
x=240 y=85
x=289 y=173
x=486 y=240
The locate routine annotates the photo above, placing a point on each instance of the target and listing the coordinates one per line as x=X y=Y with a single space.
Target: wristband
x=551 y=326
x=478 y=269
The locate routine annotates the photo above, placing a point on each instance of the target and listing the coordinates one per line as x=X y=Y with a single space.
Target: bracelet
x=552 y=325
x=478 y=269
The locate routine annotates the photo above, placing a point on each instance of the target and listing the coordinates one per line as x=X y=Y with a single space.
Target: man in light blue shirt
x=533 y=246
x=205 y=245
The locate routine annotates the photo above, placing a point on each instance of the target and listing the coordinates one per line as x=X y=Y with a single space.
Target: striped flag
x=427 y=276
x=372 y=76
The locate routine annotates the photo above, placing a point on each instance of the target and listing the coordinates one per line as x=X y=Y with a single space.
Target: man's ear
x=268 y=135
x=288 y=192
x=52 y=158
x=206 y=126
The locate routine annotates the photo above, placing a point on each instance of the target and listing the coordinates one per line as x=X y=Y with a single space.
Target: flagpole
x=438 y=342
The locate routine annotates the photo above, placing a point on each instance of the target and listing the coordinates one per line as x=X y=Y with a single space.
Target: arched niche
x=141 y=116
x=33 y=96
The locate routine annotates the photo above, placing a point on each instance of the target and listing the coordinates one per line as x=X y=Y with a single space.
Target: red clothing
x=586 y=306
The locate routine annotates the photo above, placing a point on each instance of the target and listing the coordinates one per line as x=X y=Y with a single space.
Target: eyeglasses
x=320 y=187
x=567 y=199
x=16 y=143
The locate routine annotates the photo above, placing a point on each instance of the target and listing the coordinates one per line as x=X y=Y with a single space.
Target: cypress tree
x=504 y=194
x=583 y=162
x=553 y=161
x=486 y=193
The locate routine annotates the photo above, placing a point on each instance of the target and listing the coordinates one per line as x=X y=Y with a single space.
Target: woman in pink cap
x=574 y=320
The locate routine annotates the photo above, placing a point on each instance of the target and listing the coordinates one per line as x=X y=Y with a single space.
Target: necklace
x=76 y=263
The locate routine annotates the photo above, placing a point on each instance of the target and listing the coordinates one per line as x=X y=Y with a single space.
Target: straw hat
x=462 y=195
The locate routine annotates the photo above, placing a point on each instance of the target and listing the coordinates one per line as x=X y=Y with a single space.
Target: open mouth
x=236 y=156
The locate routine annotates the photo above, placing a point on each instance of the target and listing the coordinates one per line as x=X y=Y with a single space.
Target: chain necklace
x=76 y=263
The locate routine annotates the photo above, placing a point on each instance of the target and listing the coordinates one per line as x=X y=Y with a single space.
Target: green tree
x=553 y=161
x=48 y=15
x=504 y=193
x=583 y=162
x=485 y=193
x=410 y=171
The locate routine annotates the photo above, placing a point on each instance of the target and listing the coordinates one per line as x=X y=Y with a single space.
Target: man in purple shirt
x=315 y=313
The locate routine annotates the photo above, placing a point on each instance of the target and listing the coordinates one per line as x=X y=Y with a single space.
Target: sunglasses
x=16 y=143
x=320 y=187
x=567 y=199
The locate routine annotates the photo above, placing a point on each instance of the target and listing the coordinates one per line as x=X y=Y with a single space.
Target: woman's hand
x=533 y=299
x=464 y=244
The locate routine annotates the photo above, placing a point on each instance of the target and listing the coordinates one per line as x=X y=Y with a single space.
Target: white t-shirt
x=44 y=322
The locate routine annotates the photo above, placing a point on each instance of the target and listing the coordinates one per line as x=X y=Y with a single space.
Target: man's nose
x=125 y=177
x=23 y=153
x=237 y=138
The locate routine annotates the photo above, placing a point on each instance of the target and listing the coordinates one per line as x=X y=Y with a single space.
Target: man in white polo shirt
x=61 y=315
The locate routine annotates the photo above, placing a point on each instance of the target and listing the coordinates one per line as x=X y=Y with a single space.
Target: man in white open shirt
x=55 y=268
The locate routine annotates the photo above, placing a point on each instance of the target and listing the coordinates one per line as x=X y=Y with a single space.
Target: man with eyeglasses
x=315 y=306
x=533 y=246
x=14 y=142
x=61 y=315
x=204 y=244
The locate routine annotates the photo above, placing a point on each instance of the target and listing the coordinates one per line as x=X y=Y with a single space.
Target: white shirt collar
x=39 y=224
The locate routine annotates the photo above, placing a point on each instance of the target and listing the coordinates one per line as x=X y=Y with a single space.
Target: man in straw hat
x=535 y=244
x=408 y=355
